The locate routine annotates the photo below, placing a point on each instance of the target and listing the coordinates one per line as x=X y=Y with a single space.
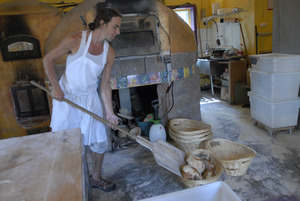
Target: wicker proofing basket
x=190 y=145
x=218 y=167
x=235 y=158
x=188 y=126
x=189 y=138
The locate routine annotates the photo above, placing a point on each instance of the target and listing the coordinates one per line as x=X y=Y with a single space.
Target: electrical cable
x=167 y=91
x=172 y=95
x=171 y=86
x=161 y=27
x=159 y=23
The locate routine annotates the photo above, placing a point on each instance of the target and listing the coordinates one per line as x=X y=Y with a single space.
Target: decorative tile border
x=151 y=78
x=133 y=80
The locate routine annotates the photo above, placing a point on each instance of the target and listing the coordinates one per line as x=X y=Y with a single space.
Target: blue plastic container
x=144 y=125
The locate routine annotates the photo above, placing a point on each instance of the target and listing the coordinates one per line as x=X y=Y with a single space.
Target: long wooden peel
x=165 y=154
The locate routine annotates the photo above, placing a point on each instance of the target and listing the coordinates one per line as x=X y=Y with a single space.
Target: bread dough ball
x=208 y=164
x=190 y=173
x=208 y=173
x=196 y=162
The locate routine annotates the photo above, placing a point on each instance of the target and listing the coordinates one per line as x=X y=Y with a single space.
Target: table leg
x=212 y=85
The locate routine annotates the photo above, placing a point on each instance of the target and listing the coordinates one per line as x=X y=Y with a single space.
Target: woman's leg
x=96 y=180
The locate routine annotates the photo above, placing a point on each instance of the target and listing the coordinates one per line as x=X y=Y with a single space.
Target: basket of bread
x=234 y=157
x=201 y=168
x=188 y=134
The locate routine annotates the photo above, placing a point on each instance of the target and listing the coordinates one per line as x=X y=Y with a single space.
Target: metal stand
x=271 y=130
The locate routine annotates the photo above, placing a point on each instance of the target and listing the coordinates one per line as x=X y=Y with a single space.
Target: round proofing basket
x=218 y=168
x=188 y=126
x=190 y=145
x=235 y=158
x=189 y=138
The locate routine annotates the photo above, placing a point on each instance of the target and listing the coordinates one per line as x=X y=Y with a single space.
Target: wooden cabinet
x=237 y=73
x=236 y=69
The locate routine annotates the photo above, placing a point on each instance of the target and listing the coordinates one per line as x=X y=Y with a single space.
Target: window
x=188 y=13
x=185 y=14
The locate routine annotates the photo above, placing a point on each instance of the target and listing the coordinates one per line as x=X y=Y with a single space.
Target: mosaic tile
x=181 y=73
x=174 y=75
x=164 y=76
x=144 y=79
x=133 y=80
x=122 y=82
x=192 y=70
x=154 y=78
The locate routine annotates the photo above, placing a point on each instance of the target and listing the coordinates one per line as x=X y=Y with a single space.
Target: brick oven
x=155 y=48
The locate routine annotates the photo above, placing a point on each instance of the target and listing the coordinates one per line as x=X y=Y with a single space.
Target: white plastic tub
x=216 y=191
x=274 y=114
x=275 y=63
x=275 y=86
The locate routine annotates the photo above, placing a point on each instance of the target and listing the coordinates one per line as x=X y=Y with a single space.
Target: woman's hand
x=57 y=94
x=113 y=119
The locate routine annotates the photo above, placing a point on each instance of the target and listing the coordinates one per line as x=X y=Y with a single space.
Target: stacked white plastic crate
x=275 y=81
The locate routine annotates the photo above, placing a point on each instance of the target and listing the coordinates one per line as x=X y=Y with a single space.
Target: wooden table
x=47 y=166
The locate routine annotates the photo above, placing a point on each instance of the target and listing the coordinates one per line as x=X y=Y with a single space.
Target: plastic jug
x=157 y=131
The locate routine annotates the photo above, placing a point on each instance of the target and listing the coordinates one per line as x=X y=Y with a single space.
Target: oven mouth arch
x=20 y=46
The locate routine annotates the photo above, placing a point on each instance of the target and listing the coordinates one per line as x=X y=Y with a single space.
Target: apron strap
x=87 y=45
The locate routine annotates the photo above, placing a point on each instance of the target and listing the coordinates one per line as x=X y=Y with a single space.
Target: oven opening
x=139 y=36
x=29 y=101
x=136 y=43
x=19 y=47
x=141 y=98
x=135 y=39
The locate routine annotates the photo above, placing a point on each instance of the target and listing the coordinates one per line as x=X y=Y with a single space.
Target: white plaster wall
x=228 y=33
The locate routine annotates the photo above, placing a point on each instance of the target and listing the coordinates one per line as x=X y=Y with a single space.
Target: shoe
x=103 y=184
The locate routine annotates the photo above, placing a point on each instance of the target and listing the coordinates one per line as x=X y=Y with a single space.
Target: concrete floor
x=273 y=175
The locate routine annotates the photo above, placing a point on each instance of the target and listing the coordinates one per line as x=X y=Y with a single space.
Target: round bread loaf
x=208 y=164
x=196 y=162
x=208 y=173
x=190 y=173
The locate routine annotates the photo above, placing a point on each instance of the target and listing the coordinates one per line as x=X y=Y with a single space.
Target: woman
x=88 y=56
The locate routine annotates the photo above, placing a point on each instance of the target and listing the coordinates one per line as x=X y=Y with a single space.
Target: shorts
x=99 y=147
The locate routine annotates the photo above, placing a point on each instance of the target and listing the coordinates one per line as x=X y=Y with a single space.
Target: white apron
x=79 y=84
